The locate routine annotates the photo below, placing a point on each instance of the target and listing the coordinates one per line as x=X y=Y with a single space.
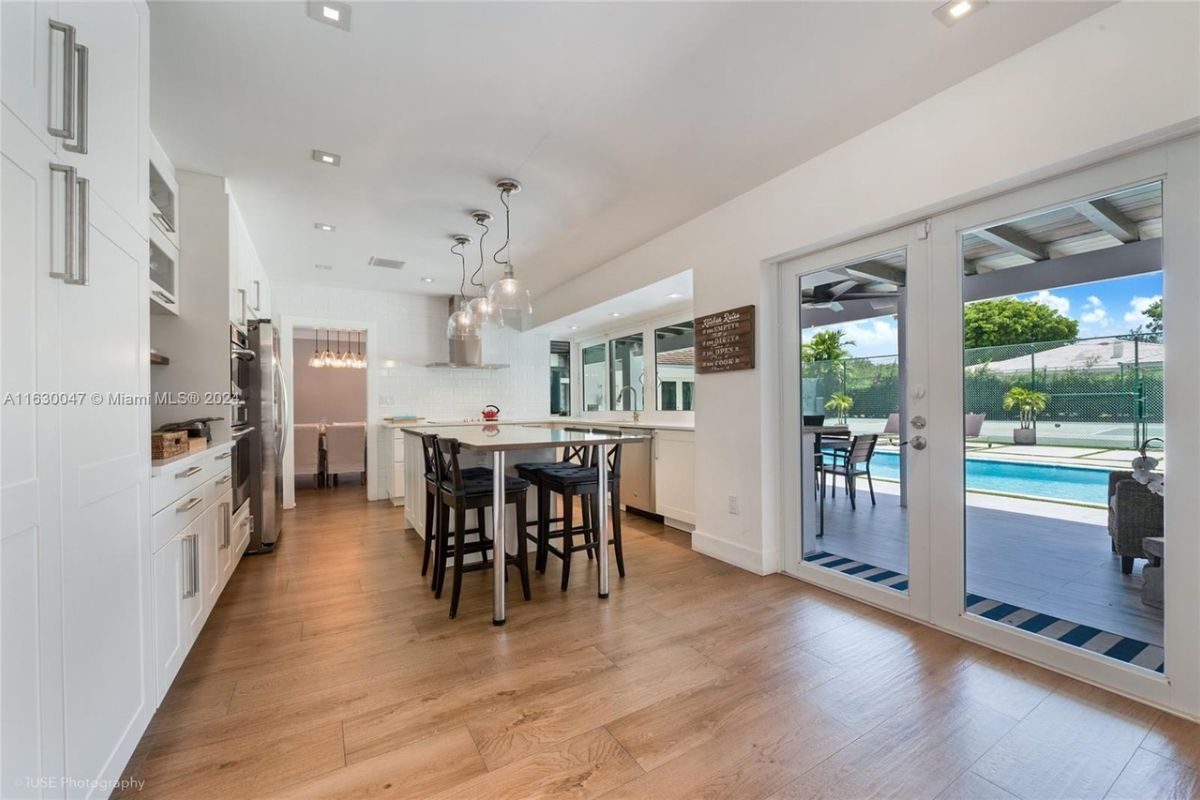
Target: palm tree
x=840 y=403
x=1028 y=402
x=827 y=345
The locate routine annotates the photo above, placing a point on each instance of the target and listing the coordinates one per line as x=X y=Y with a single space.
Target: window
x=593 y=378
x=627 y=376
x=675 y=363
x=560 y=379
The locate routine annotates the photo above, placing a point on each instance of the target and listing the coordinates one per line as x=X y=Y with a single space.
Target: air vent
x=386 y=263
x=324 y=266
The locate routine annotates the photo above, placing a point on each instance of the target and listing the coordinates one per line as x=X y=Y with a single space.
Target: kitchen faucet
x=637 y=416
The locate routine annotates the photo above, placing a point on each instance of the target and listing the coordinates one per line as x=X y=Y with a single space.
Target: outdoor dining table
x=499 y=440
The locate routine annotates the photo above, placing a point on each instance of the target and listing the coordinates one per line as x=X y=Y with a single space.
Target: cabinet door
x=210 y=557
x=241 y=537
x=30 y=530
x=675 y=475
x=171 y=586
x=107 y=619
x=116 y=37
x=224 y=542
x=193 y=606
x=31 y=67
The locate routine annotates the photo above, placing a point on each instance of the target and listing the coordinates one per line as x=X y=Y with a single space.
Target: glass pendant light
x=462 y=323
x=327 y=355
x=360 y=361
x=336 y=361
x=510 y=300
x=349 y=360
x=481 y=307
x=315 y=361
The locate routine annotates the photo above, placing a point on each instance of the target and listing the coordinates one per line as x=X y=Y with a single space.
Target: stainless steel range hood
x=464 y=353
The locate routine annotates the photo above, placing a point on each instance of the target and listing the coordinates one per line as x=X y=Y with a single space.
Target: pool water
x=1074 y=484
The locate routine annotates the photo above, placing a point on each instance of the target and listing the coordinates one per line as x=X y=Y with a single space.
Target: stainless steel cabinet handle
x=189 y=505
x=224 y=480
x=161 y=295
x=67 y=131
x=225 y=455
x=257 y=296
x=186 y=564
x=225 y=524
x=80 y=145
x=189 y=472
x=84 y=189
x=195 y=565
x=71 y=229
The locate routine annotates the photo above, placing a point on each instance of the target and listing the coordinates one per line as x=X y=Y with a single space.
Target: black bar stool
x=462 y=494
x=583 y=482
x=578 y=455
x=429 y=451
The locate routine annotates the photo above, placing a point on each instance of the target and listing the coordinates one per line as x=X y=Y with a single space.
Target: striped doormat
x=868 y=572
x=1131 y=651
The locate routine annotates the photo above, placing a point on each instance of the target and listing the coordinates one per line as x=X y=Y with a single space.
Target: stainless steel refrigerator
x=270 y=415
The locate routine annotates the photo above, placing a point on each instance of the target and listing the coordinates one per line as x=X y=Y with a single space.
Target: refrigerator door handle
x=285 y=412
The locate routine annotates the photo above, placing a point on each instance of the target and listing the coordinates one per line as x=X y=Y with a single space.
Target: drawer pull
x=224 y=479
x=189 y=472
x=189 y=505
x=223 y=456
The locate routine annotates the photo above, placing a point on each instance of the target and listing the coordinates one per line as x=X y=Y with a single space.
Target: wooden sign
x=725 y=340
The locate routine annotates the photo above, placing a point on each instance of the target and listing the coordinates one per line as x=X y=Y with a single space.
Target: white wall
x=1132 y=73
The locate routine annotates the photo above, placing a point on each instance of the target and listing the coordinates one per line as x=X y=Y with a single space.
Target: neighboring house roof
x=1096 y=354
x=683 y=357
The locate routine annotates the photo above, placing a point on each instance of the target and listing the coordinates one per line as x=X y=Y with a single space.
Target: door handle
x=84 y=191
x=70 y=228
x=80 y=145
x=67 y=131
x=916 y=443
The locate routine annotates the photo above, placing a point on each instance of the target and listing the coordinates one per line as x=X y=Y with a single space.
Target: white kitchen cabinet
x=242 y=528
x=392 y=462
x=250 y=297
x=172 y=582
x=26 y=45
x=163 y=192
x=164 y=274
x=78 y=623
x=675 y=476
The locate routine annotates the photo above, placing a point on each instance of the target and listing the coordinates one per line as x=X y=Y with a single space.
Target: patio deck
x=1041 y=556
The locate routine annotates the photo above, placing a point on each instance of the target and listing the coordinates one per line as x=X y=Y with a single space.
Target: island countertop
x=571 y=421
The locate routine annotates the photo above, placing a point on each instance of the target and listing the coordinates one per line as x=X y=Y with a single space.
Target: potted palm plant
x=1029 y=403
x=840 y=403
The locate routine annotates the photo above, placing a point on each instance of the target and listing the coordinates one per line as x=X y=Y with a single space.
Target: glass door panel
x=1063 y=387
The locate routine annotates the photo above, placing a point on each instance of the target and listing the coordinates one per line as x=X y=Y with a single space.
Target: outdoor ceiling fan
x=827 y=296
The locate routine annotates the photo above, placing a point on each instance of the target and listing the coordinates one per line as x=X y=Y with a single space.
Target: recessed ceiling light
x=321 y=226
x=330 y=12
x=674 y=296
x=324 y=266
x=574 y=327
x=322 y=157
x=426 y=280
x=956 y=10
x=615 y=314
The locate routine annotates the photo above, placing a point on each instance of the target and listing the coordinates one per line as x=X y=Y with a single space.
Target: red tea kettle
x=491 y=413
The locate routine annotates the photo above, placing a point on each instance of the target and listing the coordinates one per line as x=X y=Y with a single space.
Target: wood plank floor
x=328 y=670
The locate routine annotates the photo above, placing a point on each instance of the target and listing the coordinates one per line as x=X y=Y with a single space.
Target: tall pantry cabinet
x=77 y=682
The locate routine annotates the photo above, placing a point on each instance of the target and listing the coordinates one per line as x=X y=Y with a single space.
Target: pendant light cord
x=463 y=279
x=507 y=235
x=479 y=269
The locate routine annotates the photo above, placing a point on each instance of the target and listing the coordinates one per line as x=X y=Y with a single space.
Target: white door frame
x=1176 y=164
x=287 y=327
x=936 y=546
x=914 y=241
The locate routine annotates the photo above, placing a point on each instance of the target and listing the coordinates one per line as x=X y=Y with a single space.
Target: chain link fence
x=1101 y=390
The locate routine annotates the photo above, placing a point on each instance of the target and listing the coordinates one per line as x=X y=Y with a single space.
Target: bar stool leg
x=442 y=548
x=460 y=524
x=616 y=526
x=544 y=497
x=522 y=550
x=567 y=543
x=589 y=536
x=429 y=532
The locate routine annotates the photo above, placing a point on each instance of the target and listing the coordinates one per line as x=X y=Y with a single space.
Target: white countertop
x=574 y=421
x=157 y=466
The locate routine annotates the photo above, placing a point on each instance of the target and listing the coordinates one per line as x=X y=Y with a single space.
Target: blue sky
x=1104 y=308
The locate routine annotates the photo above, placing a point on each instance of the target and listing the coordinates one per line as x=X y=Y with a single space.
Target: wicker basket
x=166 y=444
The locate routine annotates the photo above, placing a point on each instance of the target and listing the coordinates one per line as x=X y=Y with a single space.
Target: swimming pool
x=1073 y=484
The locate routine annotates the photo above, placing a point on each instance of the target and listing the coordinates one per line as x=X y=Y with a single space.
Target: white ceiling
x=623 y=120
x=673 y=294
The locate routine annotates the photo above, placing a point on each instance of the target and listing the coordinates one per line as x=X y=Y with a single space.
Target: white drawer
x=174 y=518
x=176 y=481
x=219 y=485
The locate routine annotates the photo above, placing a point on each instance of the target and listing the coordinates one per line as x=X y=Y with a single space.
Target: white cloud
x=1094 y=314
x=1137 y=309
x=871 y=337
x=1060 y=304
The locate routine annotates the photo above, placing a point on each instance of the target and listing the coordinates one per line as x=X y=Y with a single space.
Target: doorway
x=1014 y=379
x=329 y=431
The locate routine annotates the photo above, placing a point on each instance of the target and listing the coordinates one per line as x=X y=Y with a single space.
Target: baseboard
x=736 y=554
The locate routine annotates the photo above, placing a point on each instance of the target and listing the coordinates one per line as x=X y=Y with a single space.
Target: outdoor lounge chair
x=1134 y=513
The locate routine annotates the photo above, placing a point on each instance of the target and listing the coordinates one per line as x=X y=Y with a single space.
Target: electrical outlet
x=734 y=506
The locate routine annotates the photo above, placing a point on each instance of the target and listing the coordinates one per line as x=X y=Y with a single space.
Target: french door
x=964 y=400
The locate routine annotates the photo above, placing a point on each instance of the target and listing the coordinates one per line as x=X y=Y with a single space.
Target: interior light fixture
x=462 y=323
x=322 y=226
x=330 y=12
x=426 y=280
x=327 y=354
x=674 y=296
x=615 y=314
x=481 y=306
x=325 y=157
x=316 y=361
x=574 y=327
x=956 y=10
x=510 y=300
